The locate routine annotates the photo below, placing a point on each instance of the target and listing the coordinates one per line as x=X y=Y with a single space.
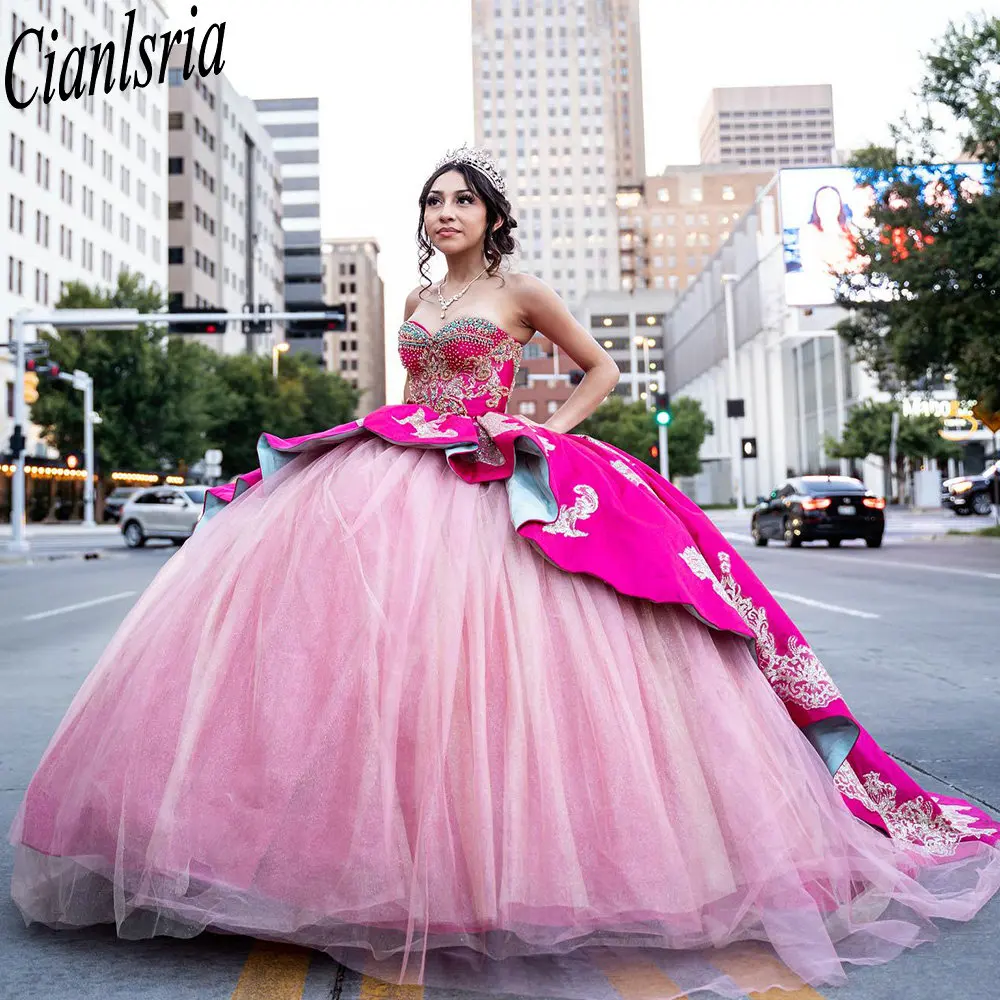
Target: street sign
x=213 y=471
x=213 y=456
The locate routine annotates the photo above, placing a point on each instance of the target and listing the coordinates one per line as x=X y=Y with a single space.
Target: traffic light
x=193 y=326
x=749 y=447
x=654 y=451
x=662 y=411
x=30 y=387
x=334 y=322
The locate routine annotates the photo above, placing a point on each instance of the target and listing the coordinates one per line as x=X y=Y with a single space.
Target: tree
x=152 y=392
x=630 y=427
x=249 y=400
x=868 y=431
x=926 y=303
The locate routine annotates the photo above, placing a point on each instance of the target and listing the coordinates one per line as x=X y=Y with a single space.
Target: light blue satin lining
x=528 y=490
x=833 y=739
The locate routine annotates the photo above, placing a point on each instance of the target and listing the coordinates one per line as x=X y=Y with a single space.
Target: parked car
x=116 y=500
x=972 y=494
x=810 y=508
x=169 y=512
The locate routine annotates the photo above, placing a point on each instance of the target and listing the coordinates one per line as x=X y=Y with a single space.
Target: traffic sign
x=213 y=471
x=213 y=456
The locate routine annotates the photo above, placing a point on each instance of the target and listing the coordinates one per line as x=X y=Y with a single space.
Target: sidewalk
x=62 y=529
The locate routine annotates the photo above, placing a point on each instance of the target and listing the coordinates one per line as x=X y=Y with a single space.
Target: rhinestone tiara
x=478 y=158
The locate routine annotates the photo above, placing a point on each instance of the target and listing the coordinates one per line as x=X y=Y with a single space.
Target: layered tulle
x=360 y=713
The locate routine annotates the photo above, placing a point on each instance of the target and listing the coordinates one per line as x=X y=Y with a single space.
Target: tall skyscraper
x=357 y=354
x=549 y=108
x=768 y=126
x=83 y=182
x=224 y=208
x=293 y=124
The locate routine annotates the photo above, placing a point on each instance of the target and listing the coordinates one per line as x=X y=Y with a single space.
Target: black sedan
x=972 y=494
x=814 y=508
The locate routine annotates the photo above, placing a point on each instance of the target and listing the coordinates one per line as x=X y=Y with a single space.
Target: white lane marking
x=955 y=571
x=736 y=536
x=78 y=607
x=782 y=595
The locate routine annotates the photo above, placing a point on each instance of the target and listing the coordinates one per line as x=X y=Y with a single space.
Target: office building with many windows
x=83 y=185
x=226 y=247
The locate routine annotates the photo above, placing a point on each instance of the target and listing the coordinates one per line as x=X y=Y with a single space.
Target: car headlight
x=962 y=487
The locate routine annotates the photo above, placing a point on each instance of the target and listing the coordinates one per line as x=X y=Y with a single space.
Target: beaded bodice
x=467 y=366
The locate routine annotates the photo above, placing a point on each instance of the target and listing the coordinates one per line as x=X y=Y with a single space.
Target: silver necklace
x=447 y=303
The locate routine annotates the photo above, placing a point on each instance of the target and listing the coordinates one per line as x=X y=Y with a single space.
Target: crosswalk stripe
x=273 y=972
x=375 y=989
x=749 y=964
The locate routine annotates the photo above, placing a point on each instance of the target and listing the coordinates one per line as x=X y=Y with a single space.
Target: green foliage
x=868 y=431
x=936 y=266
x=152 y=392
x=248 y=400
x=164 y=400
x=630 y=427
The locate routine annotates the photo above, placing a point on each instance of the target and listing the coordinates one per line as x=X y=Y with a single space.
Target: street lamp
x=645 y=343
x=275 y=351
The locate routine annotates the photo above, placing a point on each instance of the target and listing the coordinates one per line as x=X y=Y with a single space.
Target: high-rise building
x=293 y=124
x=224 y=207
x=626 y=91
x=548 y=108
x=768 y=126
x=357 y=354
x=83 y=185
x=673 y=223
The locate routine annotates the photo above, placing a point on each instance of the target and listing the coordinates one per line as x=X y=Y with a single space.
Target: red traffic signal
x=654 y=451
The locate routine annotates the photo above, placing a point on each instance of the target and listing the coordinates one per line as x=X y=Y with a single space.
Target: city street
x=908 y=632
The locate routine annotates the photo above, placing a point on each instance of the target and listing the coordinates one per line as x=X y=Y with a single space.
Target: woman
x=466 y=700
x=827 y=242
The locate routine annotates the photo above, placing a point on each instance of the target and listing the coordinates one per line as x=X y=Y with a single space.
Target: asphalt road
x=908 y=632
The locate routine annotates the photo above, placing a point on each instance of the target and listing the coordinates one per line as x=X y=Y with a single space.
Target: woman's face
x=454 y=215
x=828 y=206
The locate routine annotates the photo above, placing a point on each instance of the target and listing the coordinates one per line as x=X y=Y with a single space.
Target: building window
x=175 y=120
x=175 y=165
x=728 y=194
x=175 y=255
x=175 y=77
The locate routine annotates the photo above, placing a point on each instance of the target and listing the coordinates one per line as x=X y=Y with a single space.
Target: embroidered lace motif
x=796 y=675
x=585 y=505
x=914 y=821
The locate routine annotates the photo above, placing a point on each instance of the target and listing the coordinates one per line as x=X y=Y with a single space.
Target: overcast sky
x=394 y=78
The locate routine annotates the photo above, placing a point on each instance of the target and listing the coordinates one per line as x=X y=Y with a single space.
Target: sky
x=394 y=78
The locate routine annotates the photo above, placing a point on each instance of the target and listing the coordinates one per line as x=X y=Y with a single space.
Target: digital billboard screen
x=823 y=210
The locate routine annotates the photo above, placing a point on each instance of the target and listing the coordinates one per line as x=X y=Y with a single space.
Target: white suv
x=169 y=512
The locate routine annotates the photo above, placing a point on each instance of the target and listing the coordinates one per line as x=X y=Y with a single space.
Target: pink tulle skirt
x=357 y=712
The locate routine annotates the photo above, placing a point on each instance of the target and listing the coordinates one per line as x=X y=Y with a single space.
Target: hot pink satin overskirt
x=357 y=711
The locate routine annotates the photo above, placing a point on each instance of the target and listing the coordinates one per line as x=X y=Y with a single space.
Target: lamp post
x=277 y=350
x=735 y=451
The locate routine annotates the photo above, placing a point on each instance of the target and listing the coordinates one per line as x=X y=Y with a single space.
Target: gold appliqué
x=699 y=566
x=796 y=675
x=633 y=477
x=913 y=821
x=448 y=377
x=424 y=428
x=585 y=505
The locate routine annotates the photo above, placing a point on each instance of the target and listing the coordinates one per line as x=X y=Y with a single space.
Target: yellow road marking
x=273 y=972
x=745 y=964
x=375 y=989
x=637 y=980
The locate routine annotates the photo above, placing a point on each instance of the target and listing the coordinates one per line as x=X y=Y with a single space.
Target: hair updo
x=498 y=242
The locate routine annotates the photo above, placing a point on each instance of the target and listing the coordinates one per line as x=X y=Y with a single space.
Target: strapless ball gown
x=460 y=700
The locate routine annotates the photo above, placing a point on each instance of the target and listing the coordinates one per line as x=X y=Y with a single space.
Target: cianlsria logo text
x=84 y=71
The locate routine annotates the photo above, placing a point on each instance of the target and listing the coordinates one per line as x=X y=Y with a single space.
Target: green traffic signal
x=663 y=408
x=663 y=417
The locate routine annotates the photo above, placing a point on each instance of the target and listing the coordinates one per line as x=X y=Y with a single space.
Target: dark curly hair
x=497 y=244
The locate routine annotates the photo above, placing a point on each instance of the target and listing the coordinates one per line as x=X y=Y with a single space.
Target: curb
x=32 y=559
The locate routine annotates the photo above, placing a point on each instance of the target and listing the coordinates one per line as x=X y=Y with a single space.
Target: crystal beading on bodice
x=467 y=366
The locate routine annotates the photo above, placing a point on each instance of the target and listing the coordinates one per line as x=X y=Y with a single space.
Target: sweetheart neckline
x=458 y=319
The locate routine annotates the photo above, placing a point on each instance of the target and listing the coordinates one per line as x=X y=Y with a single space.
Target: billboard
x=823 y=209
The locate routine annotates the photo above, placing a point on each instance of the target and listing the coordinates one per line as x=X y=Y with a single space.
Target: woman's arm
x=543 y=310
